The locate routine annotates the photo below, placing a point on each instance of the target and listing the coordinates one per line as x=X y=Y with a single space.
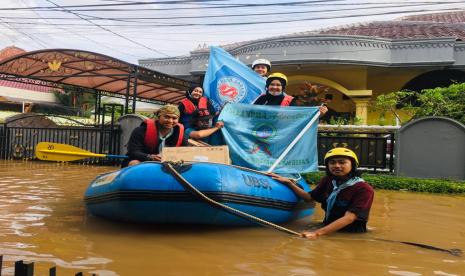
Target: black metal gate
x=374 y=150
x=19 y=142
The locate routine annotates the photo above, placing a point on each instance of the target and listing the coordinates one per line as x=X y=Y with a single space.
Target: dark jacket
x=268 y=99
x=138 y=150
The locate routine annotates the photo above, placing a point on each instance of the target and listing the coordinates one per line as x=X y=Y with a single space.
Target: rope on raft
x=169 y=167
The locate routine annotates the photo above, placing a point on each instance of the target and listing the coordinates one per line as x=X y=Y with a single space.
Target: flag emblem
x=264 y=132
x=231 y=89
x=227 y=80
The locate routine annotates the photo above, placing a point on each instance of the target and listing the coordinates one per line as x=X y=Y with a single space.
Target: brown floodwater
x=43 y=220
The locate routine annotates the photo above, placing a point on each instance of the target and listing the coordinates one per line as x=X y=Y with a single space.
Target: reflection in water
x=42 y=219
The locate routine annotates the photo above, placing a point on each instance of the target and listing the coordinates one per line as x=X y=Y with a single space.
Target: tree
x=440 y=101
x=79 y=98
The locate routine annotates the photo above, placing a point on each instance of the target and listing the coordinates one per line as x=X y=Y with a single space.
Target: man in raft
x=202 y=128
x=344 y=196
x=148 y=139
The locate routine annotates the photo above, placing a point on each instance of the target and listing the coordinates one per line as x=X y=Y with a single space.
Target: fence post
x=2 y=143
x=7 y=142
x=22 y=269
x=391 y=153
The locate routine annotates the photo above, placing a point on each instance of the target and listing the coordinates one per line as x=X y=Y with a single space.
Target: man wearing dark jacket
x=147 y=140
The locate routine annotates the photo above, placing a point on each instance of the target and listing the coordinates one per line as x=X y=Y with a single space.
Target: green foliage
x=80 y=98
x=441 y=101
x=390 y=182
x=389 y=102
x=448 y=101
x=338 y=121
x=344 y=121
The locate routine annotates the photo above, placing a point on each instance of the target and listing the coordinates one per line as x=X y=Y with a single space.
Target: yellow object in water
x=61 y=152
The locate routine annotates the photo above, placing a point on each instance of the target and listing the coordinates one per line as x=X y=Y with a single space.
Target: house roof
x=10 y=51
x=25 y=84
x=457 y=17
x=95 y=71
x=435 y=25
x=401 y=30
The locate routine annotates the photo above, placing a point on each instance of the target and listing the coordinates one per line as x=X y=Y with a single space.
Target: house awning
x=94 y=71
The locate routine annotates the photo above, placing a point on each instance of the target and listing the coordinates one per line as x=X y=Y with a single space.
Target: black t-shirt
x=356 y=199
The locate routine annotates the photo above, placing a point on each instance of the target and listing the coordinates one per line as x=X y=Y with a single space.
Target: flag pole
x=292 y=144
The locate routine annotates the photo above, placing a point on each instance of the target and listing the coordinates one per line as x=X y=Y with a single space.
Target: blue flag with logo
x=257 y=135
x=228 y=80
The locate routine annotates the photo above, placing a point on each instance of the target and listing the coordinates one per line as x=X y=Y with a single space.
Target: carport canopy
x=95 y=71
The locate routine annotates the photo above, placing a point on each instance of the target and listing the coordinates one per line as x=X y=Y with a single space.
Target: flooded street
x=43 y=219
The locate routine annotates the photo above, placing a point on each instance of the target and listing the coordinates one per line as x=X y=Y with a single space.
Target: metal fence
x=374 y=149
x=19 y=142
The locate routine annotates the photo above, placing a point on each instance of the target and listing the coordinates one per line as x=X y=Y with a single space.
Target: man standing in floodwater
x=345 y=197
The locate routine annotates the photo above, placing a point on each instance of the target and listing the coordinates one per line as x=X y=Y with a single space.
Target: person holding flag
x=275 y=93
x=194 y=100
x=202 y=128
x=262 y=67
x=345 y=197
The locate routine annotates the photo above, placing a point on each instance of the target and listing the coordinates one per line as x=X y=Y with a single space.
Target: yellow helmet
x=341 y=152
x=280 y=76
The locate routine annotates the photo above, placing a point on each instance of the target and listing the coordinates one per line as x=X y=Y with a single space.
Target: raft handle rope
x=169 y=167
x=453 y=251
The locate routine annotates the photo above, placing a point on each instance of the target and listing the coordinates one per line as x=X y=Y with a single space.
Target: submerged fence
x=27 y=269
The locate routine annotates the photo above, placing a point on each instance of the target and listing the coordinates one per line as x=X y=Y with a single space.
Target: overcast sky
x=132 y=30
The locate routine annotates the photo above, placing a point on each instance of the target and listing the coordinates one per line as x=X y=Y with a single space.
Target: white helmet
x=262 y=61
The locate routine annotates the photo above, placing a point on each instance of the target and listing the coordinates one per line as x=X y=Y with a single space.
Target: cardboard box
x=218 y=154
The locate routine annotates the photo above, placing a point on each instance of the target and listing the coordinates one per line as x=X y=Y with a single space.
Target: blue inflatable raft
x=148 y=193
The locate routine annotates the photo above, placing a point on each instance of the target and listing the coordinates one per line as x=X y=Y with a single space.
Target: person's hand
x=310 y=235
x=219 y=124
x=154 y=157
x=280 y=178
x=323 y=110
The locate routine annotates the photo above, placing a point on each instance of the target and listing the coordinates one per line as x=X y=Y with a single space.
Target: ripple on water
x=444 y=273
x=40 y=208
x=404 y=273
x=16 y=245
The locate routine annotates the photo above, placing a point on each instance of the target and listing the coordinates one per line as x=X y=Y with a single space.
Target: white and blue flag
x=258 y=135
x=228 y=80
